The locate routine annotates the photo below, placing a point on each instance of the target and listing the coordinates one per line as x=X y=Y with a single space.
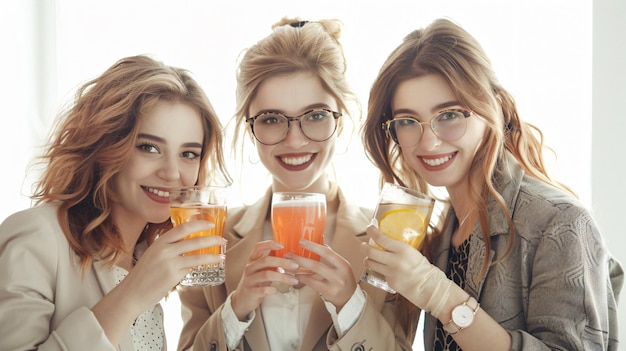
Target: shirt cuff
x=233 y=327
x=350 y=312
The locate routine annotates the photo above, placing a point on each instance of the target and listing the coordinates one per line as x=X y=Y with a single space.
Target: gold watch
x=462 y=316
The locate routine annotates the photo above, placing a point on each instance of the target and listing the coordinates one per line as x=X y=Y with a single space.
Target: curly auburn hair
x=92 y=141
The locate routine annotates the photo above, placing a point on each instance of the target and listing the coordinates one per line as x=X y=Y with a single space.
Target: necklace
x=465 y=218
x=459 y=236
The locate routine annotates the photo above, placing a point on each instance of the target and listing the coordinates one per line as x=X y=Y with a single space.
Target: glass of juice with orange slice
x=402 y=214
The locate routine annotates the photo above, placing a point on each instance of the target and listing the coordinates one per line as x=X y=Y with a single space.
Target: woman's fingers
x=324 y=251
x=180 y=231
x=384 y=241
x=263 y=248
x=198 y=243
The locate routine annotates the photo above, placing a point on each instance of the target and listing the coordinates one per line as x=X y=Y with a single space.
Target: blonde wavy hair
x=92 y=142
x=294 y=46
x=444 y=48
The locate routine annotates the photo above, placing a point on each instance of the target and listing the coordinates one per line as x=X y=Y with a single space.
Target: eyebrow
x=305 y=109
x=157 y=139
x=435 y=109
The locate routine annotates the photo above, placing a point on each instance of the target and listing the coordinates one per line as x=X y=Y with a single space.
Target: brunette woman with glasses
x=518 y=263
x=293 y=101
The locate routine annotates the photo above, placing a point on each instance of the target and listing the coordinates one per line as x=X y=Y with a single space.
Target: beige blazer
x=376 y=329
x=44 y=302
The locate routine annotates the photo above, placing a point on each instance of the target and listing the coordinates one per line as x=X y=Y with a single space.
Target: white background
x=562 y=60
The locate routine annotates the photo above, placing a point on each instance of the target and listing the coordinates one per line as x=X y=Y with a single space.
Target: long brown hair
x=92 y=141
x=444 y=48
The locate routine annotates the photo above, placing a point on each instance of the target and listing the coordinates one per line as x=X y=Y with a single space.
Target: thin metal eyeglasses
x=270 y=128
x=448 y=125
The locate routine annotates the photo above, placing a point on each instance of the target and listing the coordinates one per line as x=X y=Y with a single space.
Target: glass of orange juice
x=402 y=214
x=201 y=203
x=298 y=216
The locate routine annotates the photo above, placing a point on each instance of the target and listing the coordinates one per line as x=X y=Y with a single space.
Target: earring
x=253 y=158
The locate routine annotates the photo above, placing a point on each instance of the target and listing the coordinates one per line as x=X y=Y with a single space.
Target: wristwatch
x=462 y=316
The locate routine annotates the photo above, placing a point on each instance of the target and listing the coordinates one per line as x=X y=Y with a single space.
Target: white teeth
x=296 y=161
x=436 y=161
x=158 y=192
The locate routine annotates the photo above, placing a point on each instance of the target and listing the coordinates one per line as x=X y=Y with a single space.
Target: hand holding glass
x=201 y=203
x=402 y=214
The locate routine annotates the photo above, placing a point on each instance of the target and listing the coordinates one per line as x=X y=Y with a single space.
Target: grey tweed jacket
x=558 y=287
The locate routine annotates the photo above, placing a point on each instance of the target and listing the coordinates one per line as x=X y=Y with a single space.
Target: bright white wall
x=541 y=51
x=609 y=124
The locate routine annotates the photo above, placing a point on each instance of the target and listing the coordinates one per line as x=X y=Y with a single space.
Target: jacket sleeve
x=374 y=330
x=571 y=302
x=29 y=269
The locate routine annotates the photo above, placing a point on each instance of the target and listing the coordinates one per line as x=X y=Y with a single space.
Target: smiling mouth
x=157 y=192
x=296 y=161
x=434 y=162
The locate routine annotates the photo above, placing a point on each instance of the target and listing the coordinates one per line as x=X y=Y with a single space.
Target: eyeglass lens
x=272 y=127
x=447 y=125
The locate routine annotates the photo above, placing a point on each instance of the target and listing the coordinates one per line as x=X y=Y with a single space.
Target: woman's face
x=166 y=154
x=439 y=162
x=296 y=163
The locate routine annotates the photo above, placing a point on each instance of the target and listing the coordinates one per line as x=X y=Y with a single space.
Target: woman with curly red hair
x=86 y=267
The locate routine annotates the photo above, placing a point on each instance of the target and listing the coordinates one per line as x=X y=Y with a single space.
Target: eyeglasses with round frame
x=270 y=128
x=448 y=125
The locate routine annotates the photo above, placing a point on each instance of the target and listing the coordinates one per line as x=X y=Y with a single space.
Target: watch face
x=463 y=316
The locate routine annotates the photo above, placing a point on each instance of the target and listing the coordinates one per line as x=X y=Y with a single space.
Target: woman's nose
x=169 y=169
x=295 y=137
x=429 y=141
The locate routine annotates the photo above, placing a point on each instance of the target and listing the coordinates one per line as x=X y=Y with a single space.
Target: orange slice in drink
x=403 y=224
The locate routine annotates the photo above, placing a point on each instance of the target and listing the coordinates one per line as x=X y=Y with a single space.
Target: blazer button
x=213 y=346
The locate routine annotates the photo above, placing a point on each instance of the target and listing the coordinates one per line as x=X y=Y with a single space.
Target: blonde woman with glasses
x=292 y=102
x=518 y=262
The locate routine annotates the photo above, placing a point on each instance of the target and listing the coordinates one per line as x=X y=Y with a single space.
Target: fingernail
x=293 y=281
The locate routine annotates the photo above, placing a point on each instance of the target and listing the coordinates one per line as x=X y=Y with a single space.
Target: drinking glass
x=402 y=214
x=201 y=203
x=297 y=216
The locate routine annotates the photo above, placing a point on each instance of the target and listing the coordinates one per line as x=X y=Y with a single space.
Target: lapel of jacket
x=106 y=279
x=473 y=281
x=507 y=180
x=350 y=227
x=246 y=232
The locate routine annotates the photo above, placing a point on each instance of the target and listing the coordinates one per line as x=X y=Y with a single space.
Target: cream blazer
x=45 y=304
x=376 y=328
